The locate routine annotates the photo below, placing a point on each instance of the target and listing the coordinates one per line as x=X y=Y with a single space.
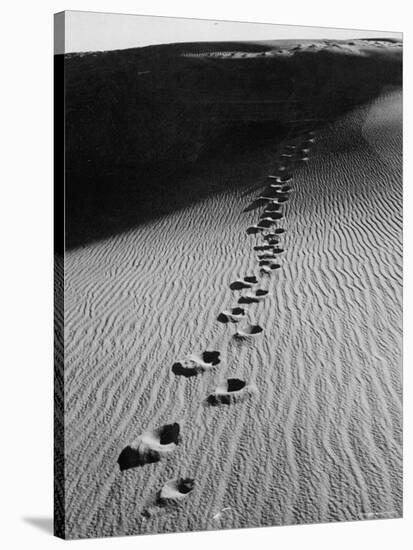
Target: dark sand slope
x=134 y=116
x=321 y=439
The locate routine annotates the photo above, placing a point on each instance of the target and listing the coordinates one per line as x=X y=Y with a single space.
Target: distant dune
x=163 y=102
x=155 y=264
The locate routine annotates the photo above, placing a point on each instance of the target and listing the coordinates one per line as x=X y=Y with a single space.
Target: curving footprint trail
x=153 y=445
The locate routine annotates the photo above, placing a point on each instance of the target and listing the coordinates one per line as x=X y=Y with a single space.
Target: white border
x=26 y=269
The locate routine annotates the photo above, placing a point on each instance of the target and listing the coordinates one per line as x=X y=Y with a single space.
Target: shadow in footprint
x=150 y=447
x=239 y=285
x=174 y=491
x=263 y=247
x=273 y=207
x=248 y=300
x=211 y=357
x=267 y=222
x=247 y=282
x=232 y=316
x=268 y=267
x=195 y=364
x=272 y=215
x=248 y=330
x=231 y=391
x=253 y=230
x=179 y=370
x=261 y=292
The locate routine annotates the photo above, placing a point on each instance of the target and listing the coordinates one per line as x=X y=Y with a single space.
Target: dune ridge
x=144 y=116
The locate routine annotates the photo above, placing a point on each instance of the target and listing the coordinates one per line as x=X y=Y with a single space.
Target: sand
x=320 y=440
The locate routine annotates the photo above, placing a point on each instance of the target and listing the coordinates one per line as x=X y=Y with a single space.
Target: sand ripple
x=323 y=440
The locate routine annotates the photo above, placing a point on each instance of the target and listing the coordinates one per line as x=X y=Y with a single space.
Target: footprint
x=281 y=195
x=261 y=292
x=232 y=390
x=263 y=247
x=253 y=230
x=248 y=331
x=266 y=222
x=196 y=364
x=232 y=316
x=272 y=207
x=150 y=446
x=286 y=178
x=267 y=256
x=269 y=268
x=175 y=490
x=274 y=197
x=277 y=250
x=247 y=282
x=272 y=216
x=279 y=231
x=270 y=236
x=253 y=298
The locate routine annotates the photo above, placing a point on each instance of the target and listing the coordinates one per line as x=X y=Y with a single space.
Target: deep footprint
x=247 y=282
x=234 y=315
x=253 y=298
x=268 y=268
x=175 y=490
x=195 y=364
x=272 y=215
x=253 y=230
x=232 y=390
x=248 y=331
x=263 y=247
x=150 y=446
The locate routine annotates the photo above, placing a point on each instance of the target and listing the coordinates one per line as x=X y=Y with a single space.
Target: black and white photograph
x=228 y=275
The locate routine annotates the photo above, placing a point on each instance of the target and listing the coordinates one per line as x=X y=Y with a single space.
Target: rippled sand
x=321 y=439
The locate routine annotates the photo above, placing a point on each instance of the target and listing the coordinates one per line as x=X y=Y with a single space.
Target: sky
x=92 y=31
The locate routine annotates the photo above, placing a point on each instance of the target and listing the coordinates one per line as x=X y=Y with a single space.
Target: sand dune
x=321 y=439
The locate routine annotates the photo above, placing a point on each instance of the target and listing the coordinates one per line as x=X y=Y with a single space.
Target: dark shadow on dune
x=255 y=205
x=104 y=200
x=44 y=524
x=150 y=131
